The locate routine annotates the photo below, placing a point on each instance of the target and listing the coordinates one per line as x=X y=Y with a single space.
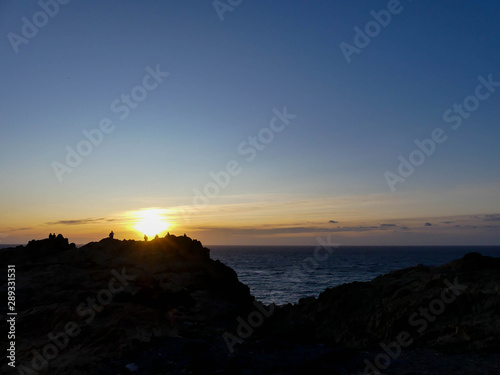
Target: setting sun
x=150 y=222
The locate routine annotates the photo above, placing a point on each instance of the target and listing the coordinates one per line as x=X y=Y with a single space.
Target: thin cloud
x=80 y=221
x=388 y=225
x=479 y=227
x=494 y=217
x=11 y=229
x=357 y=229
x=264 y=231
x=297 y=230
x=427 y=225
x=333 y=222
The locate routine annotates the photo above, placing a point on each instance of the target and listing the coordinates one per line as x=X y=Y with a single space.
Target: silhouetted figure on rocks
x=111 y=235
x=157 y=237
x=145 y=238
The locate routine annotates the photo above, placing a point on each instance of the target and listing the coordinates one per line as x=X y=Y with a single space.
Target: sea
x=285 y=274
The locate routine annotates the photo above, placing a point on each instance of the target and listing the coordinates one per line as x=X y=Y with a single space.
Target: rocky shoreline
x=165 y=307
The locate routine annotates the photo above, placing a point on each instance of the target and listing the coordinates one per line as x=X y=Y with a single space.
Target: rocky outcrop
x=165 y=307
x=80 y=310
x=451 y=307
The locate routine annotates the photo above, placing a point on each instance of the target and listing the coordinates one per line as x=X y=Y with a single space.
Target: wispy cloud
x=256 y=231
x=13 y=229
x=479 y=227
x=278 y=230
x=494 y=217
x=81 y=221
x=381 y=227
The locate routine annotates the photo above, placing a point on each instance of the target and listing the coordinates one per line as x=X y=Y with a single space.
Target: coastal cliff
x=455 y=306
x=95 y=307
x=165 y=307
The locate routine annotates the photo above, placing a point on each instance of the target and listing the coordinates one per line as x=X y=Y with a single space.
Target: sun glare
x=151 y=222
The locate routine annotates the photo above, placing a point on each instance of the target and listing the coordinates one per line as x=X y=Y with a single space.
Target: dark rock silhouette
x=163 y=306
x=37 y=250
x=124 y=295
x=455 y=307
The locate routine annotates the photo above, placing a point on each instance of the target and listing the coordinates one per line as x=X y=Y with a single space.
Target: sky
x=251 y=122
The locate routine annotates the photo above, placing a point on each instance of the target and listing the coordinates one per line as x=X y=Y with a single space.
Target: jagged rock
x=164 y=306
x=416 y=300
x=121 y=296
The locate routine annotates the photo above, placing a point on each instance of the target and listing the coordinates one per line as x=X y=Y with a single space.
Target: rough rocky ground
x=118 y=296
x=455 y=306
x=164 y=307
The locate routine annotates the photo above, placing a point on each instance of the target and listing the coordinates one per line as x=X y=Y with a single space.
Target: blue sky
x=353 y=120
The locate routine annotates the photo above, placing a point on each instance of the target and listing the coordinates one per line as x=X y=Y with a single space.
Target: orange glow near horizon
x=150 y=222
